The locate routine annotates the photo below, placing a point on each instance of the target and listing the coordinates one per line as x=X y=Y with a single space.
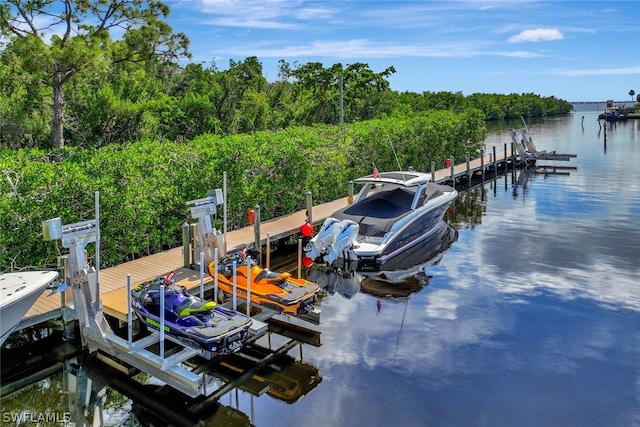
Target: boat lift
x=96 y=334
x=528 y=151
x=209 y=238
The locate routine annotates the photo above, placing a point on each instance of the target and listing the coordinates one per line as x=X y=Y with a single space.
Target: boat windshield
x=400 y=194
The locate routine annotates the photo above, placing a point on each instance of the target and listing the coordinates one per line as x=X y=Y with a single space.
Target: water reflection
x=404 y=275
x=91 y=392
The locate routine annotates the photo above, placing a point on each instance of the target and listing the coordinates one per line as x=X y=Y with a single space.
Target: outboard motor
x=346 y=237
x=324 y=238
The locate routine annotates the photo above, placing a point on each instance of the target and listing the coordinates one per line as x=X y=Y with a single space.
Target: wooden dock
x=113 y=280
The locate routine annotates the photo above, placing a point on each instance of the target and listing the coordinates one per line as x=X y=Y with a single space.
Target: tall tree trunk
x=57 y=126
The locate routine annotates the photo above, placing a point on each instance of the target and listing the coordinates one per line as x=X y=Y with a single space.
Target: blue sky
x=574 y=50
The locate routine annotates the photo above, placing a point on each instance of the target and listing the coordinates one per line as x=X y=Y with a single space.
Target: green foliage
x=144 y=185
x=24 y=113
x=81 y=41
x=119 y=101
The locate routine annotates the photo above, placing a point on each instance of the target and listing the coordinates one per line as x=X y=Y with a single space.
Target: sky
x=574 y=50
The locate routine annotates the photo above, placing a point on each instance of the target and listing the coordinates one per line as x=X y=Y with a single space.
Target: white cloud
x=598 y=72
x=537 y=35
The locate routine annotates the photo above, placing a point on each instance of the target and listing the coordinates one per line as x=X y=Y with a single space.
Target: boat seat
x=271 y=275
x=194 y=306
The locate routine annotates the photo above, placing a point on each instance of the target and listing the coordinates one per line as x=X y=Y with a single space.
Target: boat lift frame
x=96 y=334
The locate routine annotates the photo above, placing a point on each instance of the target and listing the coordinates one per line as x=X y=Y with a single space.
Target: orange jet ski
x=274 y=290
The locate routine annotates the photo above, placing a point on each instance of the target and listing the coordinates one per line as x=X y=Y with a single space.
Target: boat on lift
x=392 y=212
x=200 y=324
x=611 y=113
x=275 y=290
x=18 y=292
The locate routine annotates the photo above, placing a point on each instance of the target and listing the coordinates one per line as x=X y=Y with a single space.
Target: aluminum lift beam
x=95 y=330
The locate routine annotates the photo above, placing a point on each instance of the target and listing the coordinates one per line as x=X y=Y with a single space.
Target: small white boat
x=392 y=212
x=18 y=292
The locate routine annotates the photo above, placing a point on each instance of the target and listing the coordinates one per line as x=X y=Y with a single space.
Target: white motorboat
x=18 y=292
x=392 y=212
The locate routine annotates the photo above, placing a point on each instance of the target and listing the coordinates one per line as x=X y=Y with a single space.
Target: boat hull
x=210 y=346
x=373 y=258
x=20 y=290
x=198 y=324
x=416 y=252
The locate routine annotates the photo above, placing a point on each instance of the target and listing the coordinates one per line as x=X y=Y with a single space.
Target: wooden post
x=505 y=156
x=468 y=169
x=453 y=171
x=193 y=232
x=482 y=162
x=309 y=207
x=350 y=198
x=186 y=259
x=256 y=232
x=495 y=162
x=433 y=171
x=268 y=250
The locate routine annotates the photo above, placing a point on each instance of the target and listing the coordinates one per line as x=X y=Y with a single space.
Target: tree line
x=144 y=185
x=177 y=103
x=65 y=81
x=81 y=112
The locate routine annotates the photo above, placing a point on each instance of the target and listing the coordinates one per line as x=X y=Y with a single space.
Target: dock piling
x=453 y=171
x=309 y=207
x=256 y=233
x=186 y=261
x=505 y=155
x=268 y=251
x=468 y=168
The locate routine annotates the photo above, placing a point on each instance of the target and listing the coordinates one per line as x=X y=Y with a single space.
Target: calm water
x=530 y=318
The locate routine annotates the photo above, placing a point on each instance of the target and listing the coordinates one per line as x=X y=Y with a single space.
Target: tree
x=364 y=91
x=631 y=94
x=65 y=37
